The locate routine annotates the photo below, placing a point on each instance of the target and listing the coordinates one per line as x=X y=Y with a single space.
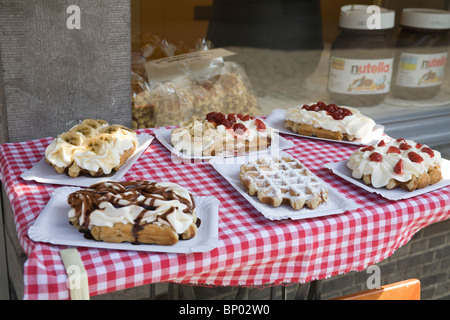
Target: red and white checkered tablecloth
x=252 y=250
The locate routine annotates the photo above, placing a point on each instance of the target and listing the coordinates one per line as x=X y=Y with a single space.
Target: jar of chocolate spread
x=362 y=56
x=422 y=47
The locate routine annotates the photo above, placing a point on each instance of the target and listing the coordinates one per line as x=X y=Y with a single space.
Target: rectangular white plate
x=44 y=173
x=340 y=169
x=230 y=168
x=276 y=121
x=163 y=135
x=53 y=226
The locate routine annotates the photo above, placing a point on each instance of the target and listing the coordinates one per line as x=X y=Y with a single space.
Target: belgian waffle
x=93 y=147
x=140 y=212
x=281 y=180
x=396 y=163
x=329 y=122
x=219 y=134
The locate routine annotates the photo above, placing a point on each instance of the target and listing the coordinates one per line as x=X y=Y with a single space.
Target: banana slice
x=113 y=128
x=95 y=145
x=94 y=123
x=105 y=137
x=72 y=138
x=84 y=129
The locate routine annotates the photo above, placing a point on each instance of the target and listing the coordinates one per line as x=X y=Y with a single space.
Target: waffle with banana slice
x=93 y=148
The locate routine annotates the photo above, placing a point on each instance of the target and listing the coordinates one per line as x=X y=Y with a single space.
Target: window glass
x=295 y=52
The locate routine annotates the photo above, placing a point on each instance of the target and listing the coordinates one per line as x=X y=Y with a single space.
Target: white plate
x=44 y=173
x=337 y=203
x=276 y=121
x=340 y=169
x=53 y=226
x=164 y=136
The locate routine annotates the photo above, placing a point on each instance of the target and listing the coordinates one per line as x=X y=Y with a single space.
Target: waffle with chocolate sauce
x=140 y=212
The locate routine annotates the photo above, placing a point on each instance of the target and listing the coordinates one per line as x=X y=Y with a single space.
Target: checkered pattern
x=252 y=250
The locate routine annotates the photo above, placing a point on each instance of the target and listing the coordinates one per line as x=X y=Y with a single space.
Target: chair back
x=403 y=290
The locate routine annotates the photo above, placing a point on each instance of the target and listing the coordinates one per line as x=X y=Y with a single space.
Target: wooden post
x=62 y=61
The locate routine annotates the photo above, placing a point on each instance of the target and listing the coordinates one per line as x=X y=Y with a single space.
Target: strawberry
x=239 y=129
x=243 y=118
x=321 y=104
x=375 y=156
x=381 y=143
x=331 y=108
x=231 y=119
x=216 y=117
x=405 y=146
x=369 y=148
x=393 y=149
x=260 y=125
x=414 y=157
x=429 y=151
x=398 y=169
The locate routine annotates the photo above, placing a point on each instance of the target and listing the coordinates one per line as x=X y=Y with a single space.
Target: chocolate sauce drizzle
x=88 y=200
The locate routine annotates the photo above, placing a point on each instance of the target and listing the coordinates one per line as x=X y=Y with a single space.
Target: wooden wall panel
x=54 y=76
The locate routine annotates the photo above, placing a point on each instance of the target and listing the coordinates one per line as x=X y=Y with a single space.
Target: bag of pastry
x=191 y=85
x=143 y=111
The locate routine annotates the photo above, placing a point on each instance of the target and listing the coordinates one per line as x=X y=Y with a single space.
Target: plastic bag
x=143 y=111
x=192 y=92
x=220 y=87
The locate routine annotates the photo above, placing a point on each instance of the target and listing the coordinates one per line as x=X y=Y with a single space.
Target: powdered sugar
x=283 y=179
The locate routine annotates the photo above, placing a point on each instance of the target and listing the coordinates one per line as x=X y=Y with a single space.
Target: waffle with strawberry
x=396 y=163
x=219 y=134
x=329 y=121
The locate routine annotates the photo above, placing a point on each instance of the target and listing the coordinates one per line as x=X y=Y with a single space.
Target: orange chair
x=403 y=290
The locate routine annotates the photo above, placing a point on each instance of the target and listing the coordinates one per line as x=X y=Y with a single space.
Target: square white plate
x=230 y=168
x=340 y=169
x=53 y=226
x=163 y=135
x=276 y=121
x=44 y=173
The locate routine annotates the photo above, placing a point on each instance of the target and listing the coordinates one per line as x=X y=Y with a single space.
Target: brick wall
x=426 y=257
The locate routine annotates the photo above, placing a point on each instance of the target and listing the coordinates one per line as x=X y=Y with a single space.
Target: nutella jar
x=422 y=47
x=362 y=56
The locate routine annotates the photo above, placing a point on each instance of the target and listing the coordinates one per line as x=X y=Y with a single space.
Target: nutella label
x=421 y=70
x=360 y=76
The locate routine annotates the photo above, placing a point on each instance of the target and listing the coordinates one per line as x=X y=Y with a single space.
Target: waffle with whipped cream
x=93 y=148
x=219 y=134
x=279 y=180
x=329 y=122
x=396 y=163
x=139 y=212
